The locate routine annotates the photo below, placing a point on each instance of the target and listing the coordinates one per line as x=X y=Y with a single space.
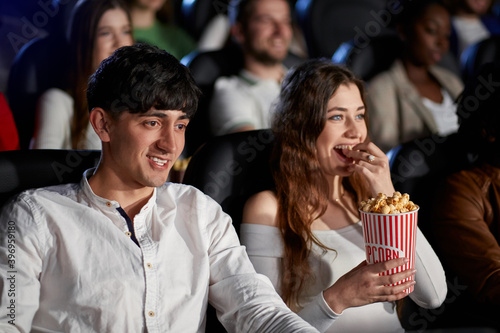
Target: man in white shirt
x=244 y=101
x=123 y=251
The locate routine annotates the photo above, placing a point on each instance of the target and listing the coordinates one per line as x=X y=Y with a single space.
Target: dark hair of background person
x=140 y=77
x=479 y=115
x=239 y=11
x=301 y=190
x=412 y=10
x=82 y=33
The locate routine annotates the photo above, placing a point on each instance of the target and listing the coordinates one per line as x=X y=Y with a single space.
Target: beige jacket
x=396 y=112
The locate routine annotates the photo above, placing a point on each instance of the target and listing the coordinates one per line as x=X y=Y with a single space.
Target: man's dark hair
x=412 y=10
x=140 y=77
x=239 y=11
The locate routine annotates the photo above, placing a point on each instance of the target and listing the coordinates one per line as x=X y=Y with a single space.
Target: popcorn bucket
x=390 y=236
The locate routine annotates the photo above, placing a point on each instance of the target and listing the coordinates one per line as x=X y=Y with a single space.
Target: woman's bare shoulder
x=261 y=208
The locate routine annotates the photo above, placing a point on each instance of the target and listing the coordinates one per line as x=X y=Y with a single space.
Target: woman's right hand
x=376 y=172
x=364 y=284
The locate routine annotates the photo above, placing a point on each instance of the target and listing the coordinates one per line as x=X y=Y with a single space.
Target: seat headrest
x=231 y=168
x=25 y=169
x=479 y=54
x=371 y=59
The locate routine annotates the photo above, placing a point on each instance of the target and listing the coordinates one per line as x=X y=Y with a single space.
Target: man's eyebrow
x=162 y=115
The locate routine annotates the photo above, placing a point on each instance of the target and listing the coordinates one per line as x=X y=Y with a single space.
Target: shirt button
x=149 y=265
x=109 y=204
x=151 y=313
x=128 y=233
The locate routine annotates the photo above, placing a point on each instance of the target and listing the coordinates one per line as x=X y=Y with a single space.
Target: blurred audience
x=217 y=31
x=472 y=21
x=306 y=234
x=243 y=102
x=97 y=28
x=153 y=23
x=415 y=98
x=467 y=219
x=9 y=139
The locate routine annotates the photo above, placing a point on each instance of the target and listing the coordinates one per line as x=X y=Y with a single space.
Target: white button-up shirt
x=68 y=264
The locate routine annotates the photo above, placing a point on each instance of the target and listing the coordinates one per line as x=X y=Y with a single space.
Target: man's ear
x=237 y=33
x=101 y=122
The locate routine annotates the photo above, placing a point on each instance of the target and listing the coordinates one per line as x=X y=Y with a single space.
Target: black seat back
x=479 y=54
x=326 y=24
x=231 y=168
x=25 y=169
x=370 y=60
x=41 y=64
x=418 y=167
x=196 y=14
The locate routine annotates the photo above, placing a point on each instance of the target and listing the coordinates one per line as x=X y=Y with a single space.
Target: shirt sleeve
x=54 y=113
x=245 y=301
x=21 y=265
x=265 y=250
x=430 y=288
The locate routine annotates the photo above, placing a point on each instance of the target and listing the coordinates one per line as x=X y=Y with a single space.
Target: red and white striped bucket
x=390 y=236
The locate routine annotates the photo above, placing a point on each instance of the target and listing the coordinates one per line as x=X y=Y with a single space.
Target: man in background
x=243 y=102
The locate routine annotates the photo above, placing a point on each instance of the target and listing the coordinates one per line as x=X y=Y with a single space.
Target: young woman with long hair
x=96 y=30
x=306 y=235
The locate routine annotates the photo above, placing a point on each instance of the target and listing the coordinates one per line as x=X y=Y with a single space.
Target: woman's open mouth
x=339 y=150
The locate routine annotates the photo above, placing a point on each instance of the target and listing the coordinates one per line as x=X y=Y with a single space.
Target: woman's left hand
x=373 y=165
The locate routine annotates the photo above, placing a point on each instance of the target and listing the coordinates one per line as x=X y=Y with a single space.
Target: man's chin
x=156 y=181
x=270 y=59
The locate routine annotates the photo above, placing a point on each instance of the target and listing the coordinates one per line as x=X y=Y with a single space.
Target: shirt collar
x=107 y=204
x=253 y=79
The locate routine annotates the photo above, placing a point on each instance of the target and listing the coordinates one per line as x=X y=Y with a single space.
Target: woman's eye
x=336 y=117
x=360 y=116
